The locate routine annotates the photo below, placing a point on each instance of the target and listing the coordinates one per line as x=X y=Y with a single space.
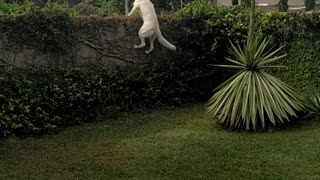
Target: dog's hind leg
x=142 y=44
x=144 y=32
x=142 y=35
x=152 y=38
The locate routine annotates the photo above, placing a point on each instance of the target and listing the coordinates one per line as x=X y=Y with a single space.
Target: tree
x=283 y=5
x=309 y=4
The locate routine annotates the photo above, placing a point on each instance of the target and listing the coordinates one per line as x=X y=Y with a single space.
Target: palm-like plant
x=313 y=104
x=253 y=98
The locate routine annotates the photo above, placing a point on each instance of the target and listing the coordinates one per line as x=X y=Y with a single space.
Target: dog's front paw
x=147 y=52
x=135 y=46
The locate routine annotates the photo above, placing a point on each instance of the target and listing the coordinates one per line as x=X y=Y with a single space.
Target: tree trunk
x=127 y=8
x=252 y=20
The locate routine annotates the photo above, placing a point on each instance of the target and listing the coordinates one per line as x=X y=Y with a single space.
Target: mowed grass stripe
x=166 y=144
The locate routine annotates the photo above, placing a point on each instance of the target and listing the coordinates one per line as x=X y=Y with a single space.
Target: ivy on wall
x=45 y=32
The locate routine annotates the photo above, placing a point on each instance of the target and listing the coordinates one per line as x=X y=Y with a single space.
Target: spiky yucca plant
x=313 y=104
x=253 y=98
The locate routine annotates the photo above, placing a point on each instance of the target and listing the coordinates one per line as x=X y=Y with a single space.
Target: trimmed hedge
x=40 y=99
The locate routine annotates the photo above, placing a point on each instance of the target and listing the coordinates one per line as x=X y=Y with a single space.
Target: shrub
x=84 y=8
x=283 y=5
x=235 y=2
x=6 y=8
x=198 y=8
x=313 y=104
x=50 y=32
x=57 y=8
x=38 y=100
x=22 y=108
x=252 y=98
x=246 y=3
x=309 y=4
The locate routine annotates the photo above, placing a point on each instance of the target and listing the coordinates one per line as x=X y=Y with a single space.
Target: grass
x=167 y=144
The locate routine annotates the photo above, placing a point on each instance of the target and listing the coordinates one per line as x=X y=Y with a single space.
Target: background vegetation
x=283 y=6
x=39 y=99
x=84 y=7
x=310 y=4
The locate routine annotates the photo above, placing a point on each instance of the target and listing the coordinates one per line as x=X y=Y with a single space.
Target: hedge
x=39 y=99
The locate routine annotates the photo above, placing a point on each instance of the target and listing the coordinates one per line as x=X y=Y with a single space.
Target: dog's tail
x=163 y=41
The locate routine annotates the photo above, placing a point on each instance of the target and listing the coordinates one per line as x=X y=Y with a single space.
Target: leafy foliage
x=304 y=65
x=48 y=32
x=15 y=9
x=109 y=7
x=235 y=2
x=35 y=101
x=283 y=5
x=309 y=4
x=246 y=3
x=313 y=104
x=22 y=109
x=252 y=98
x=7 y=8
x=198 y=8
x=57 y=8
x=213 y=26
x=87 y=7
x=184 y=77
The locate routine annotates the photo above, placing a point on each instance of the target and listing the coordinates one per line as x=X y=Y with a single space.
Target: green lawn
x=168 y=144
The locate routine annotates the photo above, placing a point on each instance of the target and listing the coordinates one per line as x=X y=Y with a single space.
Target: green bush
x=313 y=104
x=303 y=64
x=309 y=4
x=246 y=3
x=28 y=7
x=198 y=8
x=85 y=9
x=283 y=5
x=208 y=28
x=253 y=99
x=15 y=9
x=57 y=8
x=6 y=8
x=47 y=32
x=110 y=7
x=235 y=2
x=39 y=100
x=23 y=109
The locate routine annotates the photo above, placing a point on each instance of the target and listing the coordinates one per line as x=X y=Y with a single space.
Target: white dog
x=150 y=28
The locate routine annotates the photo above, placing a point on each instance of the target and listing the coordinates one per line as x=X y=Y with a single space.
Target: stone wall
x=96 y=41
